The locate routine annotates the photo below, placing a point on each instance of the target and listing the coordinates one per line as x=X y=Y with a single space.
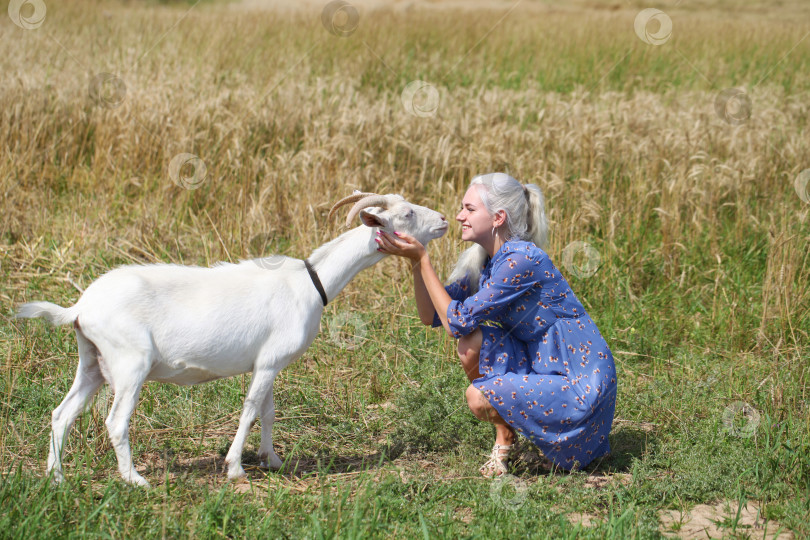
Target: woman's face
x=476 y=223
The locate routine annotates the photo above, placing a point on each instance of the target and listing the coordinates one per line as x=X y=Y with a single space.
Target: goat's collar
x=316 y=281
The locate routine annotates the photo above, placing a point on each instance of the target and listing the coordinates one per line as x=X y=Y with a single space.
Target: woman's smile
x=476 y=223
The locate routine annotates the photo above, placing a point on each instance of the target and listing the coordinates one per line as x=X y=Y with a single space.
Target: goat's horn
x=366 y=202
x=354 y=197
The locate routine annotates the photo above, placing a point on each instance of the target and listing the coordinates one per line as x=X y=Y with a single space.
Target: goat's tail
x=54 y=314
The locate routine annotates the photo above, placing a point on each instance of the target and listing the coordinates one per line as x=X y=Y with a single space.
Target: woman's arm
x=424 y=305
x=424 y=276
x=436 y=291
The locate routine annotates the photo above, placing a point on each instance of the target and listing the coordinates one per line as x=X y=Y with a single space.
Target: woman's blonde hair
x=524 y=206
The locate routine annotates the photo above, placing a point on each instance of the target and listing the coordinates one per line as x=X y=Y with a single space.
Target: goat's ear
x=371 y=219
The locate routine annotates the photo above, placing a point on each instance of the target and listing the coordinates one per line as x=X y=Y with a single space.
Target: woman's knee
x=477 y=402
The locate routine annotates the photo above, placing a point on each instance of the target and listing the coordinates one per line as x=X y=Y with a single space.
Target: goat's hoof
x=56 y=477
x=271 y=461
x=137 y=480
x=235 y=473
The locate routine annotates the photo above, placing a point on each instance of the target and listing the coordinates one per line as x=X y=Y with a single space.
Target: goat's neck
x=338 y=261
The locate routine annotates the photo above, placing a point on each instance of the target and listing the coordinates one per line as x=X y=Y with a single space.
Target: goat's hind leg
x=85 y=385
x=128 y=378
x=267 y=457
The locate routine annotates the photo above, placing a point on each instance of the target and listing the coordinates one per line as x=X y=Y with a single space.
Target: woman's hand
x=431 y=297
x=403 y=245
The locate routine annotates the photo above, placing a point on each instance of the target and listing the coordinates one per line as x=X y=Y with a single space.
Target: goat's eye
x=410 y=214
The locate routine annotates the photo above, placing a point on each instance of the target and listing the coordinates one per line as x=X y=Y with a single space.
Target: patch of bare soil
x=297 y=474
x=583 y=518
x=598 y=480
x=717 y=521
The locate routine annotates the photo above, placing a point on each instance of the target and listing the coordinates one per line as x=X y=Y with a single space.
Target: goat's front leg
x=127 y=389
x=260 y=384
x=267 y=457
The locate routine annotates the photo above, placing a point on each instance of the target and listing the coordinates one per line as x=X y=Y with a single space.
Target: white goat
x=189 y=325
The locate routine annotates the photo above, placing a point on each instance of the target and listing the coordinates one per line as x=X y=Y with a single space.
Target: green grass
x=360 y=470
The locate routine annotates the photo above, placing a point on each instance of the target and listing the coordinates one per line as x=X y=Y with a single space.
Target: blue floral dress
x=546 y=368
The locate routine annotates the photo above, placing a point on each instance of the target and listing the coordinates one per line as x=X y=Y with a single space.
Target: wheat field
x=139 y=132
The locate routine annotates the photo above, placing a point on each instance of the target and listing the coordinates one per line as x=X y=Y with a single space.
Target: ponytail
x=469 y=265
x=537 y=230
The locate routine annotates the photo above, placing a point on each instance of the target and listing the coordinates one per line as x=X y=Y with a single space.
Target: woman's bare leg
x=483 y=410
x=469 y=348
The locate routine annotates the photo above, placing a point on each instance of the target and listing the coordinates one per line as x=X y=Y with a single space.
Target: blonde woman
x=536 y=361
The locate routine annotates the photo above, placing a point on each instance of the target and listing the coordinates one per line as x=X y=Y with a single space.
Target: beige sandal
x=500 y=456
